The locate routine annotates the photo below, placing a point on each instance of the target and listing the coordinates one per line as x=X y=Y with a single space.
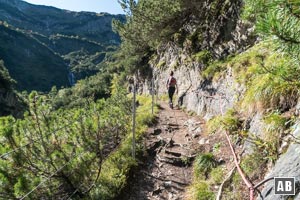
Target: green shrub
x=269 y=91
x=271 y=78
x=228 y=122
x=115 y=169
x=275 y=124
x=212 y=70
x=203 y=57
x=161 y=64
x=253 y=164
x=203 y=164
x=200 y=191
x=144 y=112
x=217 y=175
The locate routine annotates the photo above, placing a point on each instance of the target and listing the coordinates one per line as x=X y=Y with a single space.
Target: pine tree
x=278 y=20
x=60 y=150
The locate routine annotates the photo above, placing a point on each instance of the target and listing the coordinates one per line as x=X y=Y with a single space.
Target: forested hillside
x=31 y=63
x=237 y=68
x=35 y=40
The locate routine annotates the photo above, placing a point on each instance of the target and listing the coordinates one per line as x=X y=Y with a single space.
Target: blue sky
x=109 y=6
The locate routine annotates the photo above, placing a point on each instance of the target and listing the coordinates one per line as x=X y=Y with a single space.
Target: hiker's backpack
x=172 y=82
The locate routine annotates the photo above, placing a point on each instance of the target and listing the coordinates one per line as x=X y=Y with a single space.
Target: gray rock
x=202 y=141
x=198 y=130
x=288 y=165
x=195 y=135
x=256 y=127
x=194 y=128
x=167 y=183
x=297 y=111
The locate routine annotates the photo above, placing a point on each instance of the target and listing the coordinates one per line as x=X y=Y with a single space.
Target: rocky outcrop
x=11 y=104
x=205 y=97
x=219 y=36
x=288 y=165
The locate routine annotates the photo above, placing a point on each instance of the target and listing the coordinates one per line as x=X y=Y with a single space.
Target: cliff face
x=11 y=104
x=10 y=101
x=197 y=94
x=205 y=97
x=288 y=165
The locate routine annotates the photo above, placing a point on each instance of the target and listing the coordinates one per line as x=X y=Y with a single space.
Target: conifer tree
x=278 y=20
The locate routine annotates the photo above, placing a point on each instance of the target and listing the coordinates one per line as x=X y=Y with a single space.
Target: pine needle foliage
x=276 y=85
x=279 y=20
x=272 y=79
x=91 y=142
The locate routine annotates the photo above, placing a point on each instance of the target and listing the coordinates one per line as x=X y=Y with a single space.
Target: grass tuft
x=229 y=122
x=204 y=164
x=200 y=191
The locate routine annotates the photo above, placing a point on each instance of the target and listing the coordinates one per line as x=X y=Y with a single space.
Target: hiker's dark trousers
x=171 y=92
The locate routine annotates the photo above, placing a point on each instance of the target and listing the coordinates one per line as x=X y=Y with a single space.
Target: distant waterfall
x=72 y=79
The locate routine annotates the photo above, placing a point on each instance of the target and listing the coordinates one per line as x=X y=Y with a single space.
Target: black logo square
x=284 y=185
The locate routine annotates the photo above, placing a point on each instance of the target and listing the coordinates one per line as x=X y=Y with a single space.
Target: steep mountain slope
x=32 y=64
x=43 y=46
x=49 y=20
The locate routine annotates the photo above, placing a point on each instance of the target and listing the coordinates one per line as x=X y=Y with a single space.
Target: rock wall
x=288 y=165
x=205 y=98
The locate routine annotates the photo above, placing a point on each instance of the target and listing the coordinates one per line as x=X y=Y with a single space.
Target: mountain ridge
x=61 y=31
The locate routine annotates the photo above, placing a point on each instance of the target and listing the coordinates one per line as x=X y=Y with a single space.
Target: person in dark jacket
x=172 y=87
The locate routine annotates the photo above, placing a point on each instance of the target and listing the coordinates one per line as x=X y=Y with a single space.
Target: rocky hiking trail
x=171 y=146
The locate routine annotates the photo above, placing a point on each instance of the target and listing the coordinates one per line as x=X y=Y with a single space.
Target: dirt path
x=171 y=147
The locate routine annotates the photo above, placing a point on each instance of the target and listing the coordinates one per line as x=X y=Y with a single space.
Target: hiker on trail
x=171 y=86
